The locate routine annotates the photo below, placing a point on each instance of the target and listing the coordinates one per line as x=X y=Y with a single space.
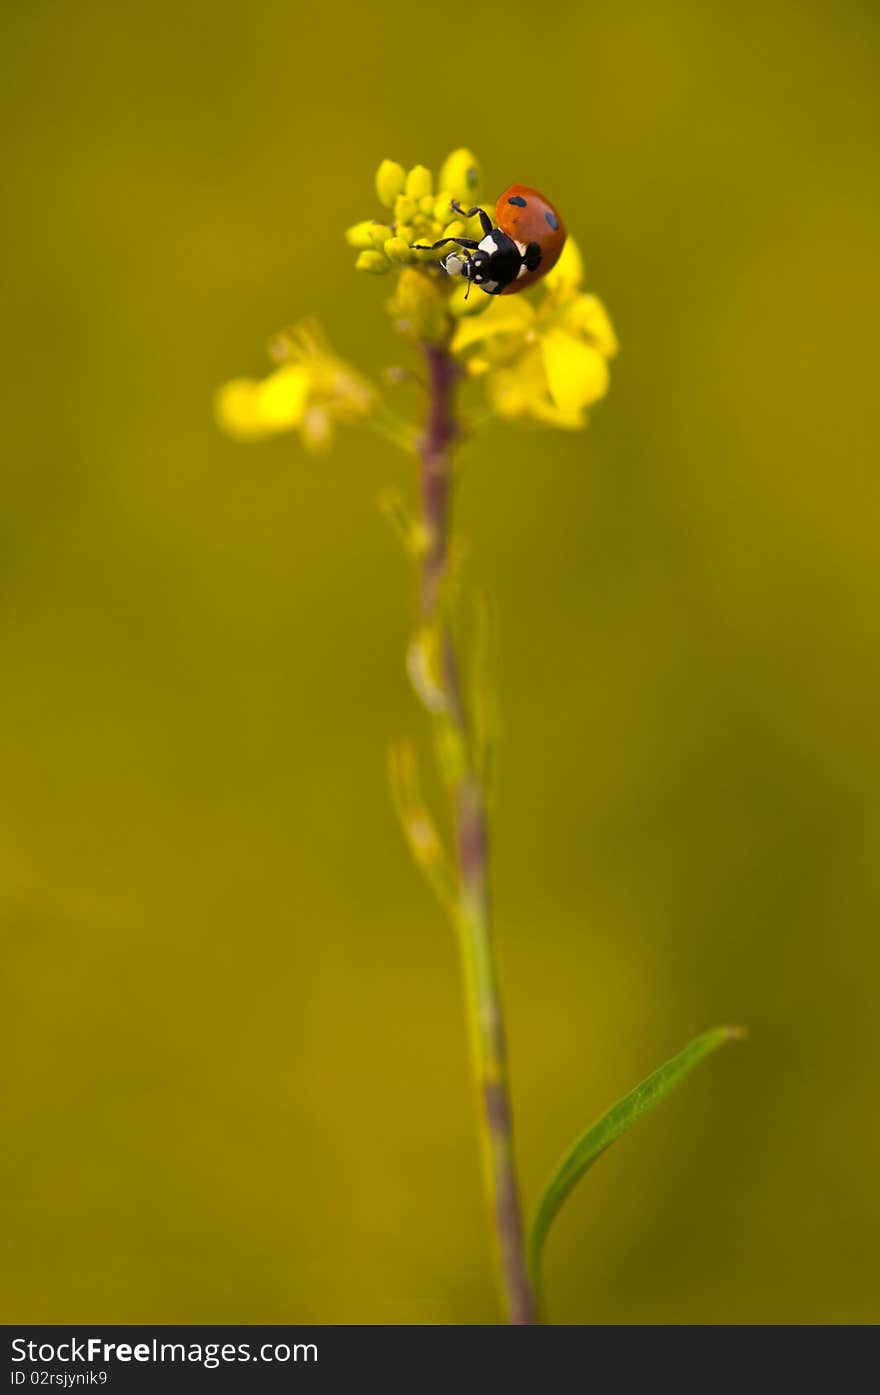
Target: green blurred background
x=236 y=1064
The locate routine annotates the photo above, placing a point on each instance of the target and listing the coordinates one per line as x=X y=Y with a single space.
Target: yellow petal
x=506 y=394
x=235 y=407
x=505 y=315
x=516 y=391
x=282 y=396
x=250 y=410
x=568 y=273
x=577 y=374
x=548 y=414
x=588 y=315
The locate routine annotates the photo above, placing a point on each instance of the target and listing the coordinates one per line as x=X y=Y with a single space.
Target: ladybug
x=520 y=247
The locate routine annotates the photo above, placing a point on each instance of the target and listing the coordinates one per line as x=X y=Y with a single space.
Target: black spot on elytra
x=518 y=200
x=552 y=219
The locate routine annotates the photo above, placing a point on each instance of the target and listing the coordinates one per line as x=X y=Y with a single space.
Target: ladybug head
x=472 y=268
x=468 y=267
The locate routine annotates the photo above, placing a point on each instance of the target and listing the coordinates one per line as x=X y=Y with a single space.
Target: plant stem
x=469 y=814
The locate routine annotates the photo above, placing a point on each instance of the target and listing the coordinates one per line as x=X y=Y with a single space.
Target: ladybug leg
x=459 y=241
x=485 y=221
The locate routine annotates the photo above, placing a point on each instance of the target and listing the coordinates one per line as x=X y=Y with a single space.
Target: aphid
x=520 y=247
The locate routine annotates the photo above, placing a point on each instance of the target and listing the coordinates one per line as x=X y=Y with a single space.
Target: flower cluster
x=415 y=213
x=542 y=355
x=547 y=360
x=309 y=391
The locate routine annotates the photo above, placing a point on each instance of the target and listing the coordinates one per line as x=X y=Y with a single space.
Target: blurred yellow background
x=236 y=1062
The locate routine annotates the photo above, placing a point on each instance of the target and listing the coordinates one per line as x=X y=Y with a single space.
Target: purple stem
x=472 y=846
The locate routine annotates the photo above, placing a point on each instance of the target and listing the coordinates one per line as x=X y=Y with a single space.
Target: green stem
x=482 y=993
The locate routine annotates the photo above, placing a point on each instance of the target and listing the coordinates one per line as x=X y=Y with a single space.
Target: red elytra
x=527 y=216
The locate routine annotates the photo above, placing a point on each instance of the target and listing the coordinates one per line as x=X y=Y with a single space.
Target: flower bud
x=419 y=307
x=390 y=181
x=397 y=251
x=375 y=262
x=406 y=209
x=455 y=229
x=461 y=176
x=419 y=182
x=379 y=235
x=360 y=235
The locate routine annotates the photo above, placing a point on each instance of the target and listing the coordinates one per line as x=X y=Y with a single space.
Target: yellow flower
x=417 y=213
x=542 y=359
x=309 y=391
x=546 y=361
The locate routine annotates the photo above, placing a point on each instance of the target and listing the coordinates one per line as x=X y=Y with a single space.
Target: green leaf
x=620 y=1117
